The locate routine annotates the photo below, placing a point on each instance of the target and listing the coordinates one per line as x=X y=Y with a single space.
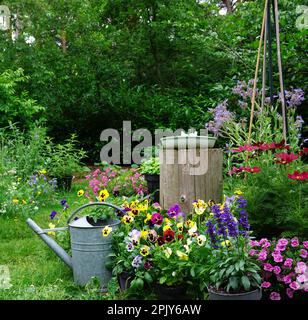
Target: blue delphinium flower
x=241 y=202
x=211 y=232
x=230 y=223
x=243 y=221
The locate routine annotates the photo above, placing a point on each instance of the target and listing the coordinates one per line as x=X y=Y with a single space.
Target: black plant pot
x=164 y=292
x=251 y=295
x=65 y=183
x=153 y=184
x=124 y=279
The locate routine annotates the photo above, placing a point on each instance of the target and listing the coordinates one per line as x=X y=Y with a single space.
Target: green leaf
x=246 y=283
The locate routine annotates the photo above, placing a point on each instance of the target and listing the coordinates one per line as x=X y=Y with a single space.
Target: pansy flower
x=145 y=251
x=80 y=193
x=168 y=235
x=157 y=218
x=106 y=231
x=52 y=215
x=103 y=195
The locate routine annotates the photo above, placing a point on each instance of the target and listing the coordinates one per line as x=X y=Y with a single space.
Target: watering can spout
x=52 y=244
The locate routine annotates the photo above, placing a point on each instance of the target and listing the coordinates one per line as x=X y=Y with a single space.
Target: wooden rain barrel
x=190 y=174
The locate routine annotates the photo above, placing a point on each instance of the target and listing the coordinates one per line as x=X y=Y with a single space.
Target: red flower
x=244 y=169
x=168 y=235
x=250 y=169
x=286 y=158
x=274 y=145
x=301 y=176
x=180 y=237
x=160 y=241
x=246 y=147
x=304 y=151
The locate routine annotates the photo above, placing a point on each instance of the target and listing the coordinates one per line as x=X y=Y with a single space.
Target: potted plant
x=63 y=160
x=234 y=272
x=150 y=169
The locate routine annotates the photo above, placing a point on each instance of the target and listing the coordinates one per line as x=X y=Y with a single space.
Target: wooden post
x=190 y=174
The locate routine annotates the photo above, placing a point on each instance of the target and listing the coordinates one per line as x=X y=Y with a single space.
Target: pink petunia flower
x=265 y=284
x=300 y=267
x=278 y=258
x=305 y=244
x=303 y=253
x=301 y=278
x=288 y=263
x=262 y=255
x=294 y=285
x=252 y=252
x=287 y=279
x=294 y=242
x=254 y=243
x=277 y=269
x=282 y=242
x=290 y=293
x=268 y=267
x=275 y=296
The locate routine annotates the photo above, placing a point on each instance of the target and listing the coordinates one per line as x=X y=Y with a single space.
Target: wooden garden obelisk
x=190 y=174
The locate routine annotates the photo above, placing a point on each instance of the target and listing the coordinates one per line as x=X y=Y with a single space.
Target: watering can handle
x=95 y=204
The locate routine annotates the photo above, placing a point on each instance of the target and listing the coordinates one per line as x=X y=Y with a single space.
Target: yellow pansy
x=144 y=234
x=183 y=256
x=226 y=243
x=143 y=206
x=148 y=218
x=238 y=192
x=134 y=212
x=167 y=221
x=145 y=251
x=180 y=226
x=106 y=231
x=190 y=223
x=51 y=226
x=165 y=228
x=127 y=219
x=211 y=203
x=80 y=193
x=43 y=171
x=103 y=195
x=15 y=201
x=199 y=206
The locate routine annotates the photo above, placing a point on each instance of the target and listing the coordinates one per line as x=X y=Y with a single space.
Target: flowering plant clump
x=171 y=247
x=284 y=266
x=232 y=269
x=117 y=181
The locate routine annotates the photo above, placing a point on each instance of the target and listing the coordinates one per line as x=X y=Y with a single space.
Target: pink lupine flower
x=275 y=296
x=277 y=269
x=268 y=267
x=265 y=284
x=288 y=263
x=290 y=293
x=294 y=242
x=294 y=285
x=300 y=267
x=303 y=253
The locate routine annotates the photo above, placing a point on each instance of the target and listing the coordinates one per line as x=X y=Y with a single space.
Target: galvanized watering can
x=89 y=248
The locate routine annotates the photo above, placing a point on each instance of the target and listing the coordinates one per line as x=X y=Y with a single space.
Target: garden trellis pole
x=266 y=37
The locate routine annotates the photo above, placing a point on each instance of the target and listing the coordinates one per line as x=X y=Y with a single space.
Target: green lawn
x=35 y=271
